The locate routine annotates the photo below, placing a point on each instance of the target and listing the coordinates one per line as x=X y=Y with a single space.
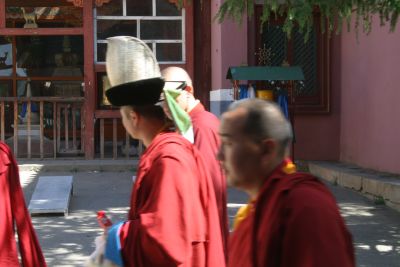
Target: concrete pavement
x=67 y=241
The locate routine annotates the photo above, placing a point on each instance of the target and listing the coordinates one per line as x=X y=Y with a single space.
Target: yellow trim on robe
x=289 y=168
x=244 y=211
x=241 y=214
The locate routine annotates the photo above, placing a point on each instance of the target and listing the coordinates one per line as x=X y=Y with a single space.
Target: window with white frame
x=158 y=23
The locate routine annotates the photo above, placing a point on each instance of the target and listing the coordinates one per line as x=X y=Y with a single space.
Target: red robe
x=293 y=222
x=173 y=220
x=206 y=139
x=13 y=210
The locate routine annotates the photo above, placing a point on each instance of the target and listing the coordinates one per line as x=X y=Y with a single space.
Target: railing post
x=73 y=114
x=102 y=138
x=2 y=122
x=115 y=148
x=66 y=126
x=127 y=144
x=29 y=141
x=55 y=129
x=90 y=94
x=41 y=129
x=58 y=127
x=16 y=128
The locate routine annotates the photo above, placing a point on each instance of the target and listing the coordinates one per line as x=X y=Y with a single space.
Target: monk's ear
x=189 y=89
x=269 y=148
x=134 y=116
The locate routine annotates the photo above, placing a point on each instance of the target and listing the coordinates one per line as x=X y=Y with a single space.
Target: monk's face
x=239 y=155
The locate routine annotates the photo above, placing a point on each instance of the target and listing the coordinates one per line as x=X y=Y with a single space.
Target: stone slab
x=350 y=180
x=52 y=195
x=372 y=184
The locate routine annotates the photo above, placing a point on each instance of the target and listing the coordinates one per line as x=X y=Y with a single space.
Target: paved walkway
x=67 y=241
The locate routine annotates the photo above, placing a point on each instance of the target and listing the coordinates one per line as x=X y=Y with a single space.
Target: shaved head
x=176 y=74
x=264 y=119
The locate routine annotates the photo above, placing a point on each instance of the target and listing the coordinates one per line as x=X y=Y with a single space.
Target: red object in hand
x=103 y=220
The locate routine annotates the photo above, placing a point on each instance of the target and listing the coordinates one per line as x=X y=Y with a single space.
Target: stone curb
x=78 y=165
x=380 y=187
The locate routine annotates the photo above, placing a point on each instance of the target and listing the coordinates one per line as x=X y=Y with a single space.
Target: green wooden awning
x=261 y=73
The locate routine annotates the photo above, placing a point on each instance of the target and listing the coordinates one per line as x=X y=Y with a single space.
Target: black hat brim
x=138 y=93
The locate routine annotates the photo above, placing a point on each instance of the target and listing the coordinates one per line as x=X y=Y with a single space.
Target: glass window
x=6 y=88
x=109 y=28
x=63 y=16
x=157 y=22
x=112 y=8
x=165 y=8
x=169 y=52
x=305 y=55
x=49 y=55
x=139 y=8
x=50 y=65
x=6 y=57
x=161 y=29
x=101 y=52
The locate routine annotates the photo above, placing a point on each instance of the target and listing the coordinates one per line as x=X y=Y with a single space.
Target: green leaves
x=333 y=13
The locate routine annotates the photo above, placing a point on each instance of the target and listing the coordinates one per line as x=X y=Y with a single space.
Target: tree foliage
x=333 y=13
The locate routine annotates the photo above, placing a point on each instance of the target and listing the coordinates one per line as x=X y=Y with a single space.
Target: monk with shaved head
x=206 y=139
x=292 y=219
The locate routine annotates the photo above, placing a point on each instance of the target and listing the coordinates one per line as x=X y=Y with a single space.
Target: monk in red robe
x=13 y=211
x=173 y=218
x=292 y=218
x=206 y=138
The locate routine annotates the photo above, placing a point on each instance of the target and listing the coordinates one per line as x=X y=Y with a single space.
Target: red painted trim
x=2 y=14
x=90 y=89
x=100 y=68
x=44 y=3
x=189 y=36
x=202 y=47
x=41 y=31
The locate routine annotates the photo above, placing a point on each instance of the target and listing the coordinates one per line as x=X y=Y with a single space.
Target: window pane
x=6 y=59
x=6 y=88
x=169 y=52
x=50 y=55
x=275 y=41
x=44 y=17
x=113 y=8
x=305 y=56
x=165 y=8
x=139 y=7
x=109 y=28
x=161 y=29
x=101 y=52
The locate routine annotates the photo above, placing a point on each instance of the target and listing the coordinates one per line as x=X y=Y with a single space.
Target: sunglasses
x=177 y=85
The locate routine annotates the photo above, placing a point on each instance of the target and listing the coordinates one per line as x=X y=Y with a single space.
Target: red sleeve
x=13 y=210
x=162 y=235
x=315 y=234
x=207 y=141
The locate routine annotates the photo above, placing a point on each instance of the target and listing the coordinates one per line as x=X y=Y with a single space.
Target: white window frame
x=152 y=43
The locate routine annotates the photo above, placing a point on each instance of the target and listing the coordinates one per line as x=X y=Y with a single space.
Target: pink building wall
x=363 y=126
x=318 y=136
x=228 y=47
x=369 y=79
